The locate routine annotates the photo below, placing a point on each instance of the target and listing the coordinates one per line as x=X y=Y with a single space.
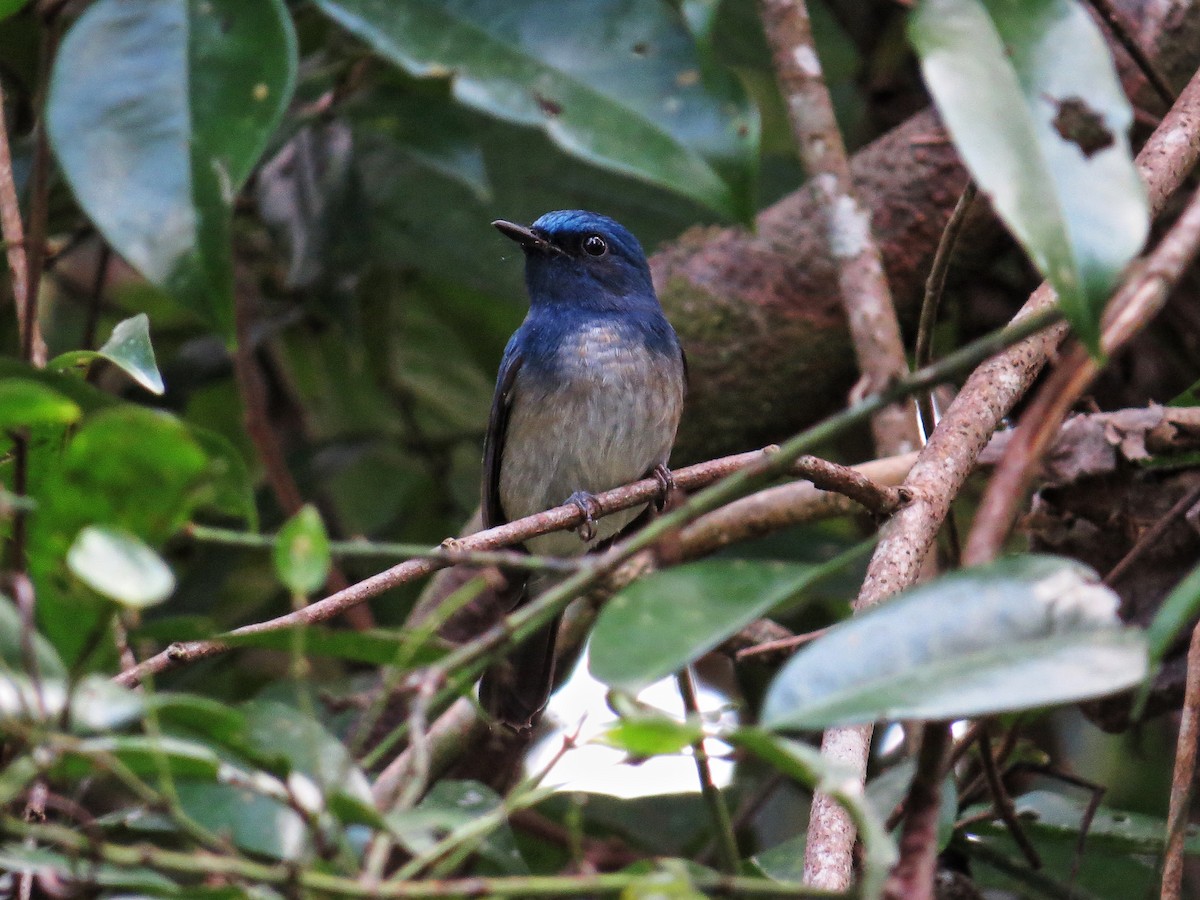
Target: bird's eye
x=594 y=245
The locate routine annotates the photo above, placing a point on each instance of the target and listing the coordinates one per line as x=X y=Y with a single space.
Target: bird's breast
x=602 y=413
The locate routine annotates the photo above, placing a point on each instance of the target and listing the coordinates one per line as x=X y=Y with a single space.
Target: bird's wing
x=493 y=444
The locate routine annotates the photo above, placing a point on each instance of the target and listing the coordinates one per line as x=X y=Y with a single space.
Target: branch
x=862 y=285
x=949 y=458
x=742 y=475
x=1181 y=778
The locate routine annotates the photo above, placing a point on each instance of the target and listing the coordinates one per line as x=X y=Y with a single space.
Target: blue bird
x=588 y=398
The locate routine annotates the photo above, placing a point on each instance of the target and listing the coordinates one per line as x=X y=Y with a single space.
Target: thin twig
x=1002 y=801
x=1184 y=773
x=912 y=878
x=1122 y=31
x=1151 y=536
x=12 y=229
x=727 y=849
x=935 y=286
x=741 y=481
x=862 y=283
x=33 y=349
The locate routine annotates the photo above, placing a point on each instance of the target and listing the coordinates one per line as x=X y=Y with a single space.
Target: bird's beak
x=529 y=240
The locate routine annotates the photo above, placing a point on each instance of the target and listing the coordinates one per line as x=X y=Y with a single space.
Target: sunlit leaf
x=96 y=704
x=120 y=566
x=617 y=83
x=24 y=402
x=1023 y=632
x=301 y=554
x=128 y=348
x=157 y=113
x=1030 y=95
x=643 y=736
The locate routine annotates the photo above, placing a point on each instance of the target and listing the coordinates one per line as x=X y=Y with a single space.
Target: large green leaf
x=616 y=82
x=1030 y=96
x=158 y=111
x=659 y=624
x=26 y=402
x=1020 y=633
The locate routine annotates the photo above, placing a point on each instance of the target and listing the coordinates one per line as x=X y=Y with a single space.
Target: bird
x=588 y=397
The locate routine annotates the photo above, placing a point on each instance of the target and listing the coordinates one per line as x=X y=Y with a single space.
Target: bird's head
x=582 y=258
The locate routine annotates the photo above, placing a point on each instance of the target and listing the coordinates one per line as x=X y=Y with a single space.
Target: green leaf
x=251 y=821
x=157 y=113
x=144 y=881
x=1029 y=93
x=1177 y=611
x=15 y=777
x=121 y=567
x=644 y=736
x=25 y=402
x=614 y=82
x=142 y=754
x=8 y=7
x=302 y=552
x=660 y=623
x=1189 y=397
x=1020 y=633
x=454 y=805
x=1049 y=814
x=807 y=766
x=127 y=468
x=128 y=348
x=378 y=647
x=280 y=732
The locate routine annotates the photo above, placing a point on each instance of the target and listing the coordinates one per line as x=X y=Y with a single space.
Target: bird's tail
x=515 y=690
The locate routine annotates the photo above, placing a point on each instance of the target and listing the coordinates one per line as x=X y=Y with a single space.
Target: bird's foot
x=666 y=484
x=590 y=507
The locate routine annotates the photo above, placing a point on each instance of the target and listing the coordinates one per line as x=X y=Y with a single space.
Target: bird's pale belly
x=608 y=423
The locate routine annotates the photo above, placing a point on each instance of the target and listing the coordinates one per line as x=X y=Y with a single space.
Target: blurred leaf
x=1023 y=632
x=15 y=777
x=72 y=869
x=8 y=7
x=1177 y=611
x=807 y=766
x=12 y=649
x=377 y=646
x=1029 y=93
x=143 y=755
x=643 y=736
x=215 y=722
x=24 y=402
x=231 y=486
x=128 y=348
x=253 y=822
x=157 y=113
x=280 y=732
x=451 y=805
x=128 y=468
x=1046 y=813
x=1189 y=397
x=121 y=567
x=662 y=622
x=301 y=552
x=615 y=82
x=96 y=704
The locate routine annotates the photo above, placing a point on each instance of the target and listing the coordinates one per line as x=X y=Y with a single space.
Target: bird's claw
x=666 y=484
x=589 y=506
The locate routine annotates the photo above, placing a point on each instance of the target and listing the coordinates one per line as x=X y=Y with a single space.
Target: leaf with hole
x=1030 y=96
x=1024 y=632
